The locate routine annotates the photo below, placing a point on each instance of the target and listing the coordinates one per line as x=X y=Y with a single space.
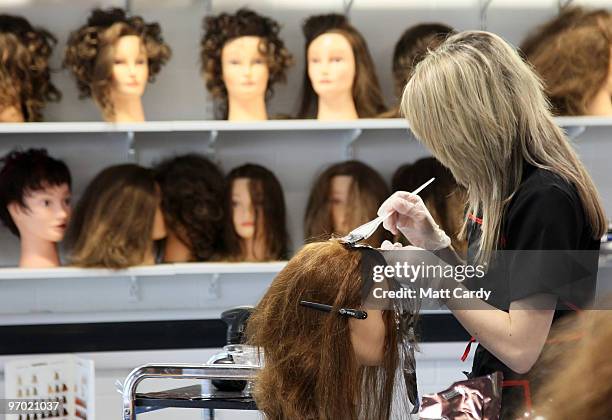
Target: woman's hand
x=411 y=217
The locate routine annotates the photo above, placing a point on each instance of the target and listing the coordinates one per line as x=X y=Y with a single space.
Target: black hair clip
x=353 y=313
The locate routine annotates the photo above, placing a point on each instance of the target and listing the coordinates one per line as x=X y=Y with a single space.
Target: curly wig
x=89 y=52
x=220 y=29
x=571 y=54
x=192 y=202
x=25 y=75
x=366 y=90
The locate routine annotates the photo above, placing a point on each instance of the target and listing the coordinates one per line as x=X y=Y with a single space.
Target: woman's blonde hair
x=481 y=110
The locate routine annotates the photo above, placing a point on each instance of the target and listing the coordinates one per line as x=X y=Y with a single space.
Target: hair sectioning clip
x=353 y=313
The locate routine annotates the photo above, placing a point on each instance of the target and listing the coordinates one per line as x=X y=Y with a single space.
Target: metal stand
x=187 y=397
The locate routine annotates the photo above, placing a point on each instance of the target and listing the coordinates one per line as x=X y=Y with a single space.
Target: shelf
x=195 y=126
x=144 y=271
x=271 y=125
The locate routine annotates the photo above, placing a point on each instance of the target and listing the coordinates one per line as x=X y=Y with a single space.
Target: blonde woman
x=481 y=111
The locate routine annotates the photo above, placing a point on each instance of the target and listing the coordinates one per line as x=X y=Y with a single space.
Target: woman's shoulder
x=543 y=189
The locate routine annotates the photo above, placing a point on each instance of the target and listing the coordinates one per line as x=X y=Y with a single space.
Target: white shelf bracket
x=574 y=131
x=349 y=151
x=134 y=290
x=347 y=5
x=132 y=156
x=211 y=149
x=213 y=291
x=484 y=8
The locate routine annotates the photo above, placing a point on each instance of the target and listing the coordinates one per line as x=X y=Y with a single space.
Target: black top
x=545 y=214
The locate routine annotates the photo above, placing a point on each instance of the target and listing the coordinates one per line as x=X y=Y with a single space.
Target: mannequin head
x=25 y=76
x=572 y=56
x=344 y=196
x=444 y=198
x=242 y=57
x=326 y=366
x=412 y=47
x=338 y=63
x=117 y=219
x=113 y=57
x=256 y=218
x=35 y=195
x=192 y=202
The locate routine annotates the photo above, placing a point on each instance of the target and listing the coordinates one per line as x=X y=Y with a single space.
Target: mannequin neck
x=149 y=258
x=252 y=249
x=247 y=109
x=38 y=253
x=11 y=114
x=338 y=107
x=175 y=250
x=601 y=104
x=127 y=109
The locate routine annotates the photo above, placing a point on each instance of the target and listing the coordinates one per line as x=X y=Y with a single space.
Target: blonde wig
x=482 y=112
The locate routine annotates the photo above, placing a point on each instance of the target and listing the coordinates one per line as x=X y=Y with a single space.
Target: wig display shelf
x=297 y=151
x=163 y=292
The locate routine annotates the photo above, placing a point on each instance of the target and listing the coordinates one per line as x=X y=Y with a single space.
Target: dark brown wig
x=113 y=221
x=311 y=371
x=367 y=193
x=89 y=52
x=23 y=172
x=218 y=30
x=366 y=89
x=269 y=203
x=412 y=48
x=444 y=198
x=192 y=202
x=571 y=54
x=25 y=75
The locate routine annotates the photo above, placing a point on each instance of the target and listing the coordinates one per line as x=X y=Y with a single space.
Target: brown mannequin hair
x=367 y=193
x=444 y=198
x=112 y=223
x=89 y=52
x=311 y=371
x=25 y=75
x=574 y=370
x=218 y=30
x=265 y=191
x=367 y=95
x=571 y=53
x=411 y=48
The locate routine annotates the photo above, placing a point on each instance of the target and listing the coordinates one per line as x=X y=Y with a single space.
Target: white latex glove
x=411 y=217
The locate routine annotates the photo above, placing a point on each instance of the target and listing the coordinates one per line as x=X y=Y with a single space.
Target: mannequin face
x=331 y=65
x=11 y=114
x=368 y=338
x=244 y=213
x=339 y=193
x=45 y=215
x=130 y=67
x=244 y=68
